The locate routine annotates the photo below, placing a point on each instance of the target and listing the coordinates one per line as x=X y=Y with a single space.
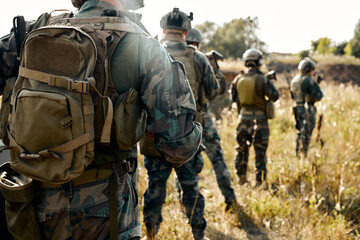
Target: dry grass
x=317 y=198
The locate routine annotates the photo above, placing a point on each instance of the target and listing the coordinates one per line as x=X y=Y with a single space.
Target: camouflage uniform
x=305 y=92
x=158 y=171
x=168 y=100
x=253 y=128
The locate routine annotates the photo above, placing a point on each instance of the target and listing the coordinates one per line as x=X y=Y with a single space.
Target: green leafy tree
x=353 y=47
x=208 y=30
x=233 y=38
x=339 y=49
x=323 y=45
x=304 y=54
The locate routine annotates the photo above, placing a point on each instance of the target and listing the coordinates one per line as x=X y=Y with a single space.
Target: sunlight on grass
x=319 y=199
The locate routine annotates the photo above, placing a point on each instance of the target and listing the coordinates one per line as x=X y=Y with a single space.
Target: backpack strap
x=63 y=148
x=119 y=24
x=55 y=80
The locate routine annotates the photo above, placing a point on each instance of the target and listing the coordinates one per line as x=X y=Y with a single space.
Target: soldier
x=175 y=26
x=249 y=90
x=141 y=63
x=305 y=92
x=211 y=137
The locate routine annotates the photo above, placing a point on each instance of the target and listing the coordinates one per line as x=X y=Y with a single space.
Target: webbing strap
x=113 y=209
x=54 y=80
x=106 y=131
x=104 y=23
x=73 y=144
x=66 y=147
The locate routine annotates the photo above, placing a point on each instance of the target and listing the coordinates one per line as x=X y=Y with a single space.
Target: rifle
x=19 y=26
x=319 y=79
x=271 y=75
x=213 y=56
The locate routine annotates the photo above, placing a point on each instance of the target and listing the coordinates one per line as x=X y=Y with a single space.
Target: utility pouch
x=270 y=109
x=147 y=147
x=19 y=193
x=129 y=119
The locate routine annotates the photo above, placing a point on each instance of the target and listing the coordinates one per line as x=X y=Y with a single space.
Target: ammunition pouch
x=270 y=110
x=147 y=147
x=19 y=193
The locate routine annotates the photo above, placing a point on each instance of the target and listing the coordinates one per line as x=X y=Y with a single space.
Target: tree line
x=233 y=38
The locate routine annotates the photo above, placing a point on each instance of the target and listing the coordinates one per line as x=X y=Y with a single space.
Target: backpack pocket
x=42 y=124
x=129 y=119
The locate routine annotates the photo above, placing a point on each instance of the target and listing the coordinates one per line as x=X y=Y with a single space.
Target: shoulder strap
x=105 y=23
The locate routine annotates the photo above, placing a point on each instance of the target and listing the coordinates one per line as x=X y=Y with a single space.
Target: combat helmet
x=306 y=65
x=252 y=57
x=176 y=20
x=130 y=4
x=194 y=36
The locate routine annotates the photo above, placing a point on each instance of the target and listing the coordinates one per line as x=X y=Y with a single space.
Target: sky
x=286 y=26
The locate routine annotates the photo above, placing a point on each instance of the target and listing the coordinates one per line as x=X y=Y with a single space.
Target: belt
x=91 y=175
x=254 y=113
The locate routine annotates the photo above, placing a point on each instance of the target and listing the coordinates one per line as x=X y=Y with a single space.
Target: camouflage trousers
x=305 y=123
x=211 y=140
x=194 y=203
x=86 y=214
x=252 y=131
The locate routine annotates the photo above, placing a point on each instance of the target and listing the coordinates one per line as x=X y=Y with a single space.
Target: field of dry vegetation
x=313 y=198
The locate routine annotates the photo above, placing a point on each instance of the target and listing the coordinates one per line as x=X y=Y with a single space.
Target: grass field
x=313 y=198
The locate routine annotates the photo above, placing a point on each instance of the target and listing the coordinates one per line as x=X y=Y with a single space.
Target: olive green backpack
x=62 y=100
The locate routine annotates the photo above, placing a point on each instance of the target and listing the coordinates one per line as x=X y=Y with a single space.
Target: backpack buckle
x=80 y=86
x=126 y=166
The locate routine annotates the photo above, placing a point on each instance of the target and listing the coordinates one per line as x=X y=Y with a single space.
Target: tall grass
x=316 y=198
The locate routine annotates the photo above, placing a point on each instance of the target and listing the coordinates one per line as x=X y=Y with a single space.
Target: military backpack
x=63 y=101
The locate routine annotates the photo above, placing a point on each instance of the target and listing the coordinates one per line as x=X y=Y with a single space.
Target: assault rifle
x=319 y=79
x=271 y=75
x=213 y=56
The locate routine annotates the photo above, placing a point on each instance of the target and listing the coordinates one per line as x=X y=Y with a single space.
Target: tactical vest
x=64 y=100
x=250 y=90
x=296 y=89
x=192 y=69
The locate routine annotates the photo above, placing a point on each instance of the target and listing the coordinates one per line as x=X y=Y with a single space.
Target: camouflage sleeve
x=209 y=81
x=271 y=92
x=169 y=100
x=315 y=93
x=8 y=54
x=222 y=81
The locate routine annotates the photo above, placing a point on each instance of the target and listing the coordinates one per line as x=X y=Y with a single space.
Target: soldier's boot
x=230 y=207
x=242 y=179
x=151 y=230
x=260 y=180
x=205 y=238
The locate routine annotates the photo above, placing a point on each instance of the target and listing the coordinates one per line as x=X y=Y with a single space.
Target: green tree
x=339 y=49
x=208 y=30
x=304 y=54
x=233 y=38
x=353 y=47
x=323 y=45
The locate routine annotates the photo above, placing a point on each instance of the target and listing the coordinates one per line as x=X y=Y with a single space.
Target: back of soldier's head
x=194 y=36
x=129 y=4
x=176 y=20
x=253 y=58
x=306 y=65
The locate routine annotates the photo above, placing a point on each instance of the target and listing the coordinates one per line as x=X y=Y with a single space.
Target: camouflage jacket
x=204 y=72
x=305 y=89
x=140 y=62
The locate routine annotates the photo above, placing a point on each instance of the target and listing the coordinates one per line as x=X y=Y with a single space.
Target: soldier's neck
x=174 y=37
x=116 y=3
